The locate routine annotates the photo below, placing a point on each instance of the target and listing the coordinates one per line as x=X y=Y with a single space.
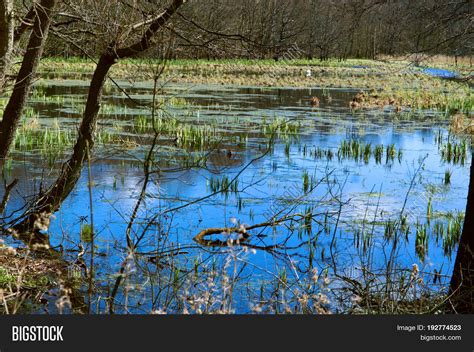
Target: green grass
x=360 y=151
x=86 y=233
x=9 y=280
x=223 y=185
x=454 y=152
x=447 y=177
x=391 y=79
x=6 y=279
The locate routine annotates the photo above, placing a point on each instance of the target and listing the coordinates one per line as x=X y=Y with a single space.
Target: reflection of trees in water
x=367 y=281
x=30 y=227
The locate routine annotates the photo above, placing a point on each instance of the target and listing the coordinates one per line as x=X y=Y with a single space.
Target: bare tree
x=52 y=200
x=16 y=104
x=6 y=37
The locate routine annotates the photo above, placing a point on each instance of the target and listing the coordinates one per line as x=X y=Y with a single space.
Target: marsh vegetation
x=170 y=185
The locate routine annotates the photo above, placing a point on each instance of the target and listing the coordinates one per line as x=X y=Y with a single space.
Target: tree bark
x=6 y=38
x=24 y=81
x=462 y=281
x=52 y=200
x=26 y=23
x=71 y=170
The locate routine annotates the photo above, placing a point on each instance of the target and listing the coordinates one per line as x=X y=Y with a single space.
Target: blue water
x=358 y=190
x=438 y=72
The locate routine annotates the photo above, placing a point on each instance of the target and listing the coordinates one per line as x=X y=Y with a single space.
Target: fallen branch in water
x=201 y=236
x=242 y=230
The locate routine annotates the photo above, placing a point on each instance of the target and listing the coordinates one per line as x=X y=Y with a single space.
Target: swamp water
x=350 y=185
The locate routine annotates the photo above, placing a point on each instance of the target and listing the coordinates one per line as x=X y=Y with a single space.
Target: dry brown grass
x=462 y=124
x=25 y=276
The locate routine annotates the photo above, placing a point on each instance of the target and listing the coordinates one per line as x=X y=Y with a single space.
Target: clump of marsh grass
x=53 y=140
x=359 y=151
x=421 y=240
x=223 y=185
x=447 y=177
x=454 y=152
x=449 y=233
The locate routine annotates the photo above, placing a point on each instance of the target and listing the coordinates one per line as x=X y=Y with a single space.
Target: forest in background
x=67 y=119
x=263 y=29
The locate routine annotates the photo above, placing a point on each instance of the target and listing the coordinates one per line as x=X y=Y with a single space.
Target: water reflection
x=349 y=196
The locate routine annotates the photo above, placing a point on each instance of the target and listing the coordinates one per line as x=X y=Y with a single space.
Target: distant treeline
x=278 y=29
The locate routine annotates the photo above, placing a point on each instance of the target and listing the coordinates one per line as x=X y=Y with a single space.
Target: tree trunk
x=24 y=81
x=47 y=204
x=6 y=38
x=25 y=24
x=462 y=281
x=71 y=170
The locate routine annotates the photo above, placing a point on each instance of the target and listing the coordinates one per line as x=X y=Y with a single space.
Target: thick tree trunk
x=72 y=168
x=17 y=102
x=54 y=197
x=6 y=37
x=71 y=171
x=26 y=23
x=462 y=281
